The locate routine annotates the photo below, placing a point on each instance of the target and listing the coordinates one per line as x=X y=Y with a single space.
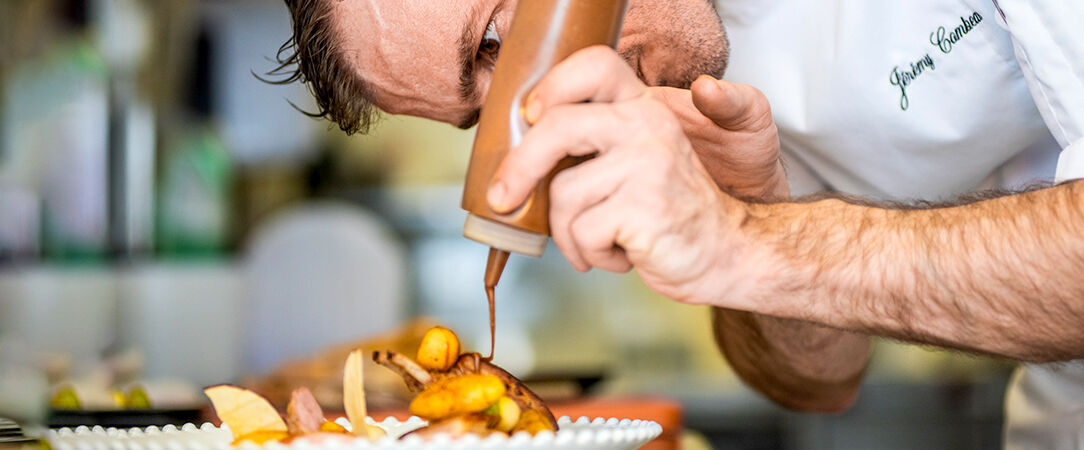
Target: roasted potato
x=439 y=349
x=462 y=394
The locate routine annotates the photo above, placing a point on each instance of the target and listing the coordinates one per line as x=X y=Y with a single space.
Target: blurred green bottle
x=196 y=176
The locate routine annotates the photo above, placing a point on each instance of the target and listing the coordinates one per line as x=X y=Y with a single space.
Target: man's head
x=434 y=58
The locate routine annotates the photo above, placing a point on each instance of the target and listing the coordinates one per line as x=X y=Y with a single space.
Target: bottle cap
x=503 y=236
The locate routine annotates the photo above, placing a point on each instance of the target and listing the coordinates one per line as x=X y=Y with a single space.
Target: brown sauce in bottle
x=543 y=32
x=494 y=268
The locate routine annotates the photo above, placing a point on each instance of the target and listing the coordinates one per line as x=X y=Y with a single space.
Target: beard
x=672 y=42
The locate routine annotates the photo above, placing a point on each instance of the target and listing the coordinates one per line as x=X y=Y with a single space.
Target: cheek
x=672 y=42
x=673 y=21
x=650 y=15
x=484 y=82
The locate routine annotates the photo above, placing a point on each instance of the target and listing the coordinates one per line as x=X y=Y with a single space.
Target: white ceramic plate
x=583 y=433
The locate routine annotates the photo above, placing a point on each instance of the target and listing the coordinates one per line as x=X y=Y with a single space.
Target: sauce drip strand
x=494 y=268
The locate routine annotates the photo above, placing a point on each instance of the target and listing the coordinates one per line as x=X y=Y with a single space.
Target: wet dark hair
x=313 y=55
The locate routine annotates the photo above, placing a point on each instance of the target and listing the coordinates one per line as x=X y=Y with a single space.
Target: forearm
x=797 y=364
x=1001 y=276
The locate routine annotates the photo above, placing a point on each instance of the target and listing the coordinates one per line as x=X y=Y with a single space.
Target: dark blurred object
x=123 y=418
x=74 y=13
x=197 y=172
x=9 y=429
x=124 y=37
x=263 y=190
x=559 y=386
x=12 y=437
x=200 y=91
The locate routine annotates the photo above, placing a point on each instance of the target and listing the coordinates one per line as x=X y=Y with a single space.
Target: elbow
x=1026 y=349
x=836 y=402
x=828 y=406
x=1046 y=357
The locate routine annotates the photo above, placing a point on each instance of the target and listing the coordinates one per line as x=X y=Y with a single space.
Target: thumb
x=731 y=106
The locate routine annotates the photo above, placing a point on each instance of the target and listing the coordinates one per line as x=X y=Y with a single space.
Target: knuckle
x=561 y=197
x=560 y=183
x=628 y=115
x=599 y=53
x=653 y=109
x=605 y=58
x=581 y=232
x=656 y=93
x=657 y=115
x=589 y=238
x=595 y=57
x=562 y=117
x=759 y=109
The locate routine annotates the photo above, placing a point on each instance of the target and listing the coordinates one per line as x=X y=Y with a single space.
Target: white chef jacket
x=1045 y=403
x=928 y=99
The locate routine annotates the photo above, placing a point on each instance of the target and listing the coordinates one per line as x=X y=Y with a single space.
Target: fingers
x=595 y=233
x=678 y=100
x=594 y=74
x=731 y=106
x=577 y=189
x=573 y=130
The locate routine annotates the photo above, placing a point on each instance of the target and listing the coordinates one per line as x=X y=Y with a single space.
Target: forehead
x=407 y=51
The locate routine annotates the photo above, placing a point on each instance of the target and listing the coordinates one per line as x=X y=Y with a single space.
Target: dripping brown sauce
x=494 y=267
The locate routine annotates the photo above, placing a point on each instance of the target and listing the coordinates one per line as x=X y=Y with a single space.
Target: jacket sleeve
x=1048 y=40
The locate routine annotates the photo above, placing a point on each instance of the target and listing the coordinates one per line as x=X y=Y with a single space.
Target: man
x=689 y=190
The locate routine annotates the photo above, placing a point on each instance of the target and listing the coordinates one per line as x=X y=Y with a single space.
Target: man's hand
x=645 y=200
x=730 y=127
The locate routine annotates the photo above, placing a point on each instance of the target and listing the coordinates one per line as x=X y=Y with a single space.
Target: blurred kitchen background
x=168 y=221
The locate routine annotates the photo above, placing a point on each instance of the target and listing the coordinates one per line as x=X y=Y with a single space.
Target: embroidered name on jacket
x=944 y=39
x=903 y=78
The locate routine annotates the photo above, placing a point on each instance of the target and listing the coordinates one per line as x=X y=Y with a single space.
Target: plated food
x=579 y=434
x=462 y=393
x=457 y=393
x=251 y=418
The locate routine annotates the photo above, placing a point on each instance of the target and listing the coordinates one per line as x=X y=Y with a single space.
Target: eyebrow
x=468 y=49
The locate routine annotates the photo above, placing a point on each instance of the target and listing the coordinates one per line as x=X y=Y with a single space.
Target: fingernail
x=533 y=110
x=495 y=195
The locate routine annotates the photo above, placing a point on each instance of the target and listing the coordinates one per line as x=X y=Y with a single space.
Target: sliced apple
x=245 y=412
x=354 y=397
